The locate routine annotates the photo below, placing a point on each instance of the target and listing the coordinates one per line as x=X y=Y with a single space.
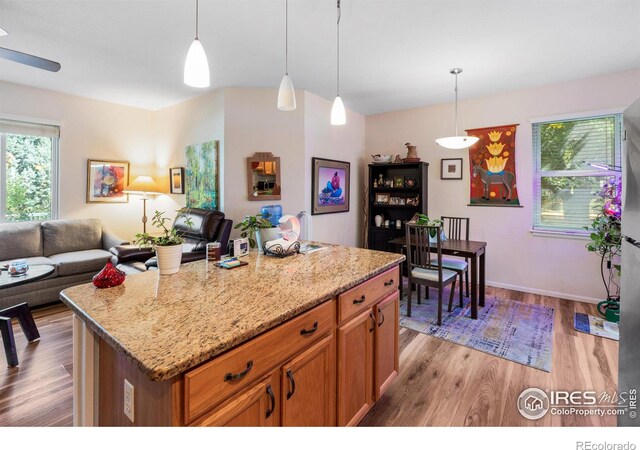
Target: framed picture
x=410 y=182
x=451 y=169
x=388 y=182
x=331 y=186
x=176 y=178
x=383 y=199
x=106 y=181
x=398 y=182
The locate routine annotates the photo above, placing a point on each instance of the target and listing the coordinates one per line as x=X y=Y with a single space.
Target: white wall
x=515 y=258
x=90 y=129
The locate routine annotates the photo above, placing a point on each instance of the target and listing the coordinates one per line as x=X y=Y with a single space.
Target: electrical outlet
x=128 y=400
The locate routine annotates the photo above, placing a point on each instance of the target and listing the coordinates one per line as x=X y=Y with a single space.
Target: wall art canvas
x=331 y=186
x=106 y=181
x=203 y=175
x=492 y=163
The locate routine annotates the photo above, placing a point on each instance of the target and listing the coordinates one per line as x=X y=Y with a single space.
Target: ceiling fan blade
x=29 y=60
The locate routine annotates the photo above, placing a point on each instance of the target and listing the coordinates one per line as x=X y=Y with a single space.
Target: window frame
x=592 y=172
x=55 y=165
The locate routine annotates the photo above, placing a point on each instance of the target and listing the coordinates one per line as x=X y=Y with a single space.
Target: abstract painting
x=106 y=181
x=330 y=186
x=492 y=163
x=202 y=175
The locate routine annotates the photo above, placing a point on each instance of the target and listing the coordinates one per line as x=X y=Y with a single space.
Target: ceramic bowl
x=382 y=158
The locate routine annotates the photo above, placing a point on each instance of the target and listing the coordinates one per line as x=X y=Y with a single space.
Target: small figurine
x=398 y=159
x=380 y=181
x=375 y=184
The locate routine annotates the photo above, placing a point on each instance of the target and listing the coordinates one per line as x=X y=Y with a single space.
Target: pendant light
x=286 y=93
x=456 y=142
x=196 y=66
x=338 y=114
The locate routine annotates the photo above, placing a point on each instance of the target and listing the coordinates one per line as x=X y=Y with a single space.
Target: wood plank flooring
x=440 y=383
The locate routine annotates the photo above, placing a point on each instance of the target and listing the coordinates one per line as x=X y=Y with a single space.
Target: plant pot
x=169 y=258
x=265 y=235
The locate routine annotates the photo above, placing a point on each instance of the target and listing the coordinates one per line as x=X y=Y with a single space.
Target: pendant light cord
x=286 y=37
x=456 y=105
x=197 y=19
x=338 y=46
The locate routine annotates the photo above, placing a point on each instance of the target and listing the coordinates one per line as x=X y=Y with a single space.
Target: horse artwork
x=493 y=167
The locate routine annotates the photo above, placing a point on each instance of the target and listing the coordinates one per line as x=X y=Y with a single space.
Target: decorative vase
x=169 y=258
x=412 y=154
x=378 y=220
x=108 y=277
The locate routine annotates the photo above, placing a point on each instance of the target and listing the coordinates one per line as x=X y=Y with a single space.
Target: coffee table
x=20 y=311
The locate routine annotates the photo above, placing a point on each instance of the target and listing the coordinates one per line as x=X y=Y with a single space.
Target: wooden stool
x=28 y=325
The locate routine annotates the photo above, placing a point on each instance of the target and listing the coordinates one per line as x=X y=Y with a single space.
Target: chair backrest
x=204 y=228
x=419 y=251
x=456 y=227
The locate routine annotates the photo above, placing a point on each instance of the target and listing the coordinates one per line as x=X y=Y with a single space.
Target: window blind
x=565 y=184
x=29 y=129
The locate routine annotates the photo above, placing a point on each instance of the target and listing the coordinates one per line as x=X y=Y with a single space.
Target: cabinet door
x=256 y=406
x=308 y=387
x=386 y=343
x=355 y=368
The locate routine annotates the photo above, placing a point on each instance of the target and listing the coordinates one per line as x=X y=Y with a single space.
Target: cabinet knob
x=239 y=376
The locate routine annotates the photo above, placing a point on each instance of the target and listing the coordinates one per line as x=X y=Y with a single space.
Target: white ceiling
x=395 y=54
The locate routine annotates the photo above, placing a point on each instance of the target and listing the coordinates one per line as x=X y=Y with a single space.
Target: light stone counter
x=168 y=324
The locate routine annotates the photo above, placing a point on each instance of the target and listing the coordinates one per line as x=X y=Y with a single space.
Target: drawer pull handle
x=381 y=316
x=239 y=376
x=292 y=382
x=389 y=283
x=359 y=300
x=304 y=331
x=273 y=401
x=373 y=321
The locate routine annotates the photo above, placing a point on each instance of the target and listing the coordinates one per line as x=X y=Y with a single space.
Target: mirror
x=263 y=175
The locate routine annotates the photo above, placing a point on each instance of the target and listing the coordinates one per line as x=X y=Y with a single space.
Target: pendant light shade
x=196 y=66
x=456 y=142
x=286 y=93
x=338 y=114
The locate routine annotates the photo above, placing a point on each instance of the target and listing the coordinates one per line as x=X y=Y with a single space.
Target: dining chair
x=425 y=265
x=457 y=228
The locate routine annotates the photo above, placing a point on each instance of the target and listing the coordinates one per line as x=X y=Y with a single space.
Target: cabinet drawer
x=211 y=383
x=365 y=295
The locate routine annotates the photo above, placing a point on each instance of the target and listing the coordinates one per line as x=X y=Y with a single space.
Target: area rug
x=597 y=326
x=516 y=331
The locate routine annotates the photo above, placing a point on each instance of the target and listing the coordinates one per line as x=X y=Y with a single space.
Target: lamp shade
x=338 y=114
x=286 y=95
x=457 y=142
x=196 y=66
x=142 y=185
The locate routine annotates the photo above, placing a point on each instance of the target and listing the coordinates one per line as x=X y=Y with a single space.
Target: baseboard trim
x=562 y=295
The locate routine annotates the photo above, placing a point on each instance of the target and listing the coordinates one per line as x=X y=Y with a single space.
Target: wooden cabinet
x=386 y=343
x=308 y=387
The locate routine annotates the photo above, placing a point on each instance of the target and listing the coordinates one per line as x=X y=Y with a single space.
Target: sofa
x=78 y=249
x=206 y=226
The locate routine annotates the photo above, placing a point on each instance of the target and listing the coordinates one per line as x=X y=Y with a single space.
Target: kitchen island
x=303 y=340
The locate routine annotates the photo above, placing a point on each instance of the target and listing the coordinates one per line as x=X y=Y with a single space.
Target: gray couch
x=77 y=248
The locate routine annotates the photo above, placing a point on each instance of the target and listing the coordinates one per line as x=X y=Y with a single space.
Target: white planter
x=169 y=258
x=266 y=235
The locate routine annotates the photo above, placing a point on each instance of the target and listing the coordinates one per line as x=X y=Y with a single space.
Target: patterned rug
x=519 y=332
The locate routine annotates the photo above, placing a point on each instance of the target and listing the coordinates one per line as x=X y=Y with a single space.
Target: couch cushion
x=64 y=236
x=83 y=261
x=20 y=240
x=34 y=261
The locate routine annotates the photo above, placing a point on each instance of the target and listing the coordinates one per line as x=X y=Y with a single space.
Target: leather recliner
x=207 y=226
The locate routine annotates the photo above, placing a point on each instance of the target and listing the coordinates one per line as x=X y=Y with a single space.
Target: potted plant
x=168 y=247
x=251 y=227
x=606 y=241
x=423 y=219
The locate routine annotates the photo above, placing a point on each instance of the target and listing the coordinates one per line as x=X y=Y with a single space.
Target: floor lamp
x=144 y=186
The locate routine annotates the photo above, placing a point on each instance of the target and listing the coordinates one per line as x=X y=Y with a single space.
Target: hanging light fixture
x=338 y=114
x=456 y=142
x=286 y=93
x=196 y=66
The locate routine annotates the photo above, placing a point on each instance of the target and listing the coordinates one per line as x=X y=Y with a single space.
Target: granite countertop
x=168 y=324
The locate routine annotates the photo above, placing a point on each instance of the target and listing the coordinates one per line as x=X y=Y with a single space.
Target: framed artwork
x=388 y=182
x=202 y=175
x=106 y=181
x=398 y=182
x=451 y=169
x=383 y=199
x=331 y=186
x=176 y=177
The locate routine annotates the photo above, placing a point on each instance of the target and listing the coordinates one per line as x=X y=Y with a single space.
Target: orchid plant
x=606 y=234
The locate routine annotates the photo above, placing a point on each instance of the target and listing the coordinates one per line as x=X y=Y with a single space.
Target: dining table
x=475 y=251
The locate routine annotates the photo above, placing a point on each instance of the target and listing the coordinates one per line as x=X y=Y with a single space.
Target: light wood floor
x=440 y=383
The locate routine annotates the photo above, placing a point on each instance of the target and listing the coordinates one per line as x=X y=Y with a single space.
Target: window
x=28 y=171
x=565 y=177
